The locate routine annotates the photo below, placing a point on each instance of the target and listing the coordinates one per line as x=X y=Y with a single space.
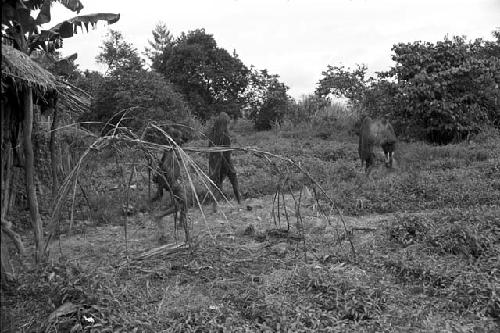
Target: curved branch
x=6 y=228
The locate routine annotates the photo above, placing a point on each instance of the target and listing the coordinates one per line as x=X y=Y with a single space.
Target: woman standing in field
x=220 y=164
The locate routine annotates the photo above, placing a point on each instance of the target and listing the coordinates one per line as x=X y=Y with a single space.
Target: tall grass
x=313 y=116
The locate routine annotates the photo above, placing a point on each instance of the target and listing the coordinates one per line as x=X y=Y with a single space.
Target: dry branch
x=166 y=249
x=123 y=135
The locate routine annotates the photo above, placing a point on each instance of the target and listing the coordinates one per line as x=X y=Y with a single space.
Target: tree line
x=189 y=76
x=440 y=92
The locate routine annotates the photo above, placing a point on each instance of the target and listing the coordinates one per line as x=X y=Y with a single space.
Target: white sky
x=296 y=39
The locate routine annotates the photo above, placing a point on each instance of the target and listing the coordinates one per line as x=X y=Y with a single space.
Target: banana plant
x=23 y=31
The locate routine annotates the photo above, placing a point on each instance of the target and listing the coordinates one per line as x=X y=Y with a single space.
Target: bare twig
x=72 y=206
x=124 y=135
x=284 y=208
x=127 y=205
x=166 y=249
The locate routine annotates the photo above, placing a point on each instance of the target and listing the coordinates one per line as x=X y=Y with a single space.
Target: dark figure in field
x=219 y=164
x=167 y=177
x=376 y=133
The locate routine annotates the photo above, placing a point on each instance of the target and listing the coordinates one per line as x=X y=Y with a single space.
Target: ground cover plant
x=421 y=251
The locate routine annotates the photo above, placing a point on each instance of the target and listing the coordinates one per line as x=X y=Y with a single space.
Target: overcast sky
x=296 y=39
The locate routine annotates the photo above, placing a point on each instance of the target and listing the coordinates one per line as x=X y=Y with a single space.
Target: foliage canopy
x=211 y=79
x=267 y=99
x=130 y=96
x=440 y=91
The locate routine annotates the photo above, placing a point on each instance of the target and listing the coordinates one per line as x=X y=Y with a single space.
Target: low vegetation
x=425 y=238
x=315 y=246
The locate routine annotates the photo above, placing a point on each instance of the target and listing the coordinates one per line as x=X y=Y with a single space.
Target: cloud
x=296 y=39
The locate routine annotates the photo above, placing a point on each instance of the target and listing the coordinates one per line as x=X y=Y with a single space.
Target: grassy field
x=417 y=249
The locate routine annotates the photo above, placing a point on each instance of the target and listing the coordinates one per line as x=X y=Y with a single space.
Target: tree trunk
x=6 y=269
x=53 y=154
x=36 y=220
x=6 y=179
x=12 y=191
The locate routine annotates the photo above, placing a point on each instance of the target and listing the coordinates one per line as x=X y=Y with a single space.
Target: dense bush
x=320 y=117
x=308 y=108
x=431 y=249
x=441 y=92
x=129 y=97
x=274 y=107
x=448 y=87
x=210 y=78
x=133 y=99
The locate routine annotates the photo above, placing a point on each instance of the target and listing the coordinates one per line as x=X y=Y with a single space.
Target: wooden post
x=36 y=220
x=6 y=178
x=53 y=154
x=6 y=268
x=6 y=159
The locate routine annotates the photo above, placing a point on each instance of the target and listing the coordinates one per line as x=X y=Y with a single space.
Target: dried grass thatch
x=75 y=100
x=18 y=70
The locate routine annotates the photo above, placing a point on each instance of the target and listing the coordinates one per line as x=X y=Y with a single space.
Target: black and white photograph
x=250 y=166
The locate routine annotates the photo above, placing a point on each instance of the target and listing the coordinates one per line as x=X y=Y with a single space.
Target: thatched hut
x=24 y=84
x=28 y=90
x=72 y=102
x=21 y=76
x=18 y=70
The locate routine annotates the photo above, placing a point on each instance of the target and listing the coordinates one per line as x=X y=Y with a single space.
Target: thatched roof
x=75 y=100
x=19 y=70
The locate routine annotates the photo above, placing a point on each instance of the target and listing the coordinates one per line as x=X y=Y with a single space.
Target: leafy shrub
x=447 y=87
x=208 y=76
x=409 y=230
x=79 y=297
x=133 y=99
x=453 y=232
x=441 y=244
x=317 y=299
x=488 y=134
x=274 y=106
x=441 y=92
x=458 y=239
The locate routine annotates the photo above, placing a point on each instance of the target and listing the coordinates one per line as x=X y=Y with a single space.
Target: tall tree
x=134 y=99
x=88 y=81
x=160 y=48
x=211 y=79
x=130 y=95
x=439 y=91
x=116 y=53
x=344 y=83
x=448 y=88
x=266 y=99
